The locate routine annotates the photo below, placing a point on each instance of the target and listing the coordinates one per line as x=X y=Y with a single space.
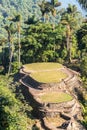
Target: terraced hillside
x=52 y=93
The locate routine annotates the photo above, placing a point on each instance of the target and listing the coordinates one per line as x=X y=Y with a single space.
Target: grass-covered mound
x=42 y=66
x=55 y=97
x=46 y=72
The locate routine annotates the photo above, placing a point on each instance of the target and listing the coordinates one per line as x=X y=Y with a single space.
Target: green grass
x=45 y=72
x=55 y=97
x=42 y=66
x=48 y=76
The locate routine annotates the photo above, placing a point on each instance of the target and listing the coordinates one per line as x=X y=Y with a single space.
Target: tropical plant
x=3 y=41
x=42 y=43
x=47 y=7
x=70 y=18
x=17 y=19
x=83 y=66
x=83 y=3
x=82 y=40
x=10 y=30
x=12 y=111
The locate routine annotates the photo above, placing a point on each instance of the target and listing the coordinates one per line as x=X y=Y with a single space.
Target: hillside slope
x=9 y=8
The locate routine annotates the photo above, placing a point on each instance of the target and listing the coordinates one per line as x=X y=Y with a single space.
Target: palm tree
x=83 y=3
x=44 y=9
x=55 y=3
x=70 y=19
x=17 y=19
x=47 y=7
x=10 y=31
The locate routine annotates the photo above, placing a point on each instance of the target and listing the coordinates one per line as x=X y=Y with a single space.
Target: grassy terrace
x=46 y=72
x=42 y=66
x=55 y=97
x=49 y=76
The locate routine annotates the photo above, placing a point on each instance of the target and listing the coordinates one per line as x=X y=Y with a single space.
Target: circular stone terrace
x=48 y=85
x=45 y=74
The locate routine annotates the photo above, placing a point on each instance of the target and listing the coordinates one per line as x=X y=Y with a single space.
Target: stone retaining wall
x=45 y=86
x=50 y=109
x=54 y=109
x=67 y=109
x=63 y=105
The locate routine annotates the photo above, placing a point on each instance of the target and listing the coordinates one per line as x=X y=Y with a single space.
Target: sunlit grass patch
x=55 y=97
x=42 y=66
x=48 y=76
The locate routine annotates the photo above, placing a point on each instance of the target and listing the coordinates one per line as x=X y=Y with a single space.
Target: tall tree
x=70 y=18
x=42 y=43
x=17 y=19
x=10 y=32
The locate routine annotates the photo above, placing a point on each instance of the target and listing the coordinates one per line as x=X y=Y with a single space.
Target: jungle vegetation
x=37 y=31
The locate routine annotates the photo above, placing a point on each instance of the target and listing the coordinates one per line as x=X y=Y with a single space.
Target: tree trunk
x=44 y=18
x=10 y=51
x=68 y=42
x=10 y=62
x=70 y=45
x=19 y=46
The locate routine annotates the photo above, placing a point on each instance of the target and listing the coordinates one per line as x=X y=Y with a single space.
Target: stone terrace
x=66 y=110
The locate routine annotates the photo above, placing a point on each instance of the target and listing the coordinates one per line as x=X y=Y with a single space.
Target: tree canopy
x=83 y=3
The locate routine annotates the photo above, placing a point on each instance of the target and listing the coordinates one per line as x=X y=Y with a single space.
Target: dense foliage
x=36 y=31
x=42 y=43
x=9 y=8
x=12 y=111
